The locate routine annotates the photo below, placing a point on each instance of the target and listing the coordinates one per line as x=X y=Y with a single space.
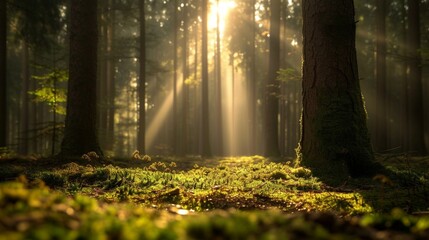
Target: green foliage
x=40 y=213
x=6 y=153
x=48 y=91
x=85 y=203
x=288 y=75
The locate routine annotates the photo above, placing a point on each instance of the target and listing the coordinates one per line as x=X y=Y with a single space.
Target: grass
x=227 y=198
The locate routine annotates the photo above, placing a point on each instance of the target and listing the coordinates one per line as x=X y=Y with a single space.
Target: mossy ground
x=227 y=198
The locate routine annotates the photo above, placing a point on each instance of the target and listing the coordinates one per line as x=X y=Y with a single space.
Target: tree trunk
x=80 y=134
x=272 y=102
x=334 y=138
x=380 y=77
x=252 y=85
x=3 y=85
x=25 y=100
x=175 y=63
x=219 y=116
x=206 y=150
x=415 y=85
x=404 y=83
x=110 y=79
x=185 y=92
x=142 y=83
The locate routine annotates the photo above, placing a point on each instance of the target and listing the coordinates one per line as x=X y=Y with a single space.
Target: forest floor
x=220 y=198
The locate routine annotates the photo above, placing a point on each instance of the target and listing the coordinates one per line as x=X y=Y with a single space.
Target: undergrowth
x=173 y=199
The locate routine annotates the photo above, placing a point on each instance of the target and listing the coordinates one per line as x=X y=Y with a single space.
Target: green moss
x=341 y=146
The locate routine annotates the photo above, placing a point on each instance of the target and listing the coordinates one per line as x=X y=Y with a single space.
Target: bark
x=415 y=86
x=3 y=85
x=142 y=83
x=334 y=138
x=175 y=63
x=219 y=82
x=272 y=102
x=80 y=134
x=380 y=77
x=25 y=100
x=185 y=89
x=206 y=150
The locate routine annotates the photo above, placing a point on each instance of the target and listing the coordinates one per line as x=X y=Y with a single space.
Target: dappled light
x=214 y=119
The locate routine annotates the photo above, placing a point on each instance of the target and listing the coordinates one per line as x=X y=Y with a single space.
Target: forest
x=214 y=119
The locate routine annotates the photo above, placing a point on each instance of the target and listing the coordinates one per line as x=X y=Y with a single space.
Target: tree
x=272 y=103
x=219 y=117
x=3 y=85
x=80 y=134
x=416 y=144
x=142 y=83
x=334 y=138
x=380 y=77
x=206 y=151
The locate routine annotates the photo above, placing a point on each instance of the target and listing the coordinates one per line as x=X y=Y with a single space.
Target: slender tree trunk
x=415 y=85
x=175 y=63
x=404 y=83
x=334 y=139
x=23 y=142
x=185 y=88
x=110 y=78
x=206 y=150
x=142 y=83
x=3 y=85
x=219 y=82
x=380 y=77
x=80 y=135
x=272 y=102
x=252 y=85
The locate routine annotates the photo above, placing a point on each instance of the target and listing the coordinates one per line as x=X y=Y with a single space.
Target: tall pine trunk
x=3 y=85
x=141 y=143
x=334 y=138
x=380 y=77
x=205 y=133
x=272 y=102
x=416 y=144
x=80 y=134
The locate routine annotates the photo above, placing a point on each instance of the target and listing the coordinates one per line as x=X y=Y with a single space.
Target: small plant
x=137 y=156
x=53 y=179
x=90 y=156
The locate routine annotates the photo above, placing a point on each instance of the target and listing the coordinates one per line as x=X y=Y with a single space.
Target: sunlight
x=155 y=125
x=224 y=7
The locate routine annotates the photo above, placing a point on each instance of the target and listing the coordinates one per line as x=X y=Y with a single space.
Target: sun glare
x=223 y=8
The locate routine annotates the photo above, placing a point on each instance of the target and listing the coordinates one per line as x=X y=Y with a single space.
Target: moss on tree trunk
x=334 y=140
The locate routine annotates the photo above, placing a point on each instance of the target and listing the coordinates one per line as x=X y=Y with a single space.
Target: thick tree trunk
x=415 y=85
x=334 y=138
x=80 y=134
x=3 y=85
x=272 y=102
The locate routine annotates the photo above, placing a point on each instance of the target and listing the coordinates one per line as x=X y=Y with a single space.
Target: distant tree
x=380 y=77
x=175 y=68
x=206 y=151
x=80 y=134
x=272 y=87
x=334 y=138
x=416 y=144
x=3 y=85
x=142 y=83
x=219 y=115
